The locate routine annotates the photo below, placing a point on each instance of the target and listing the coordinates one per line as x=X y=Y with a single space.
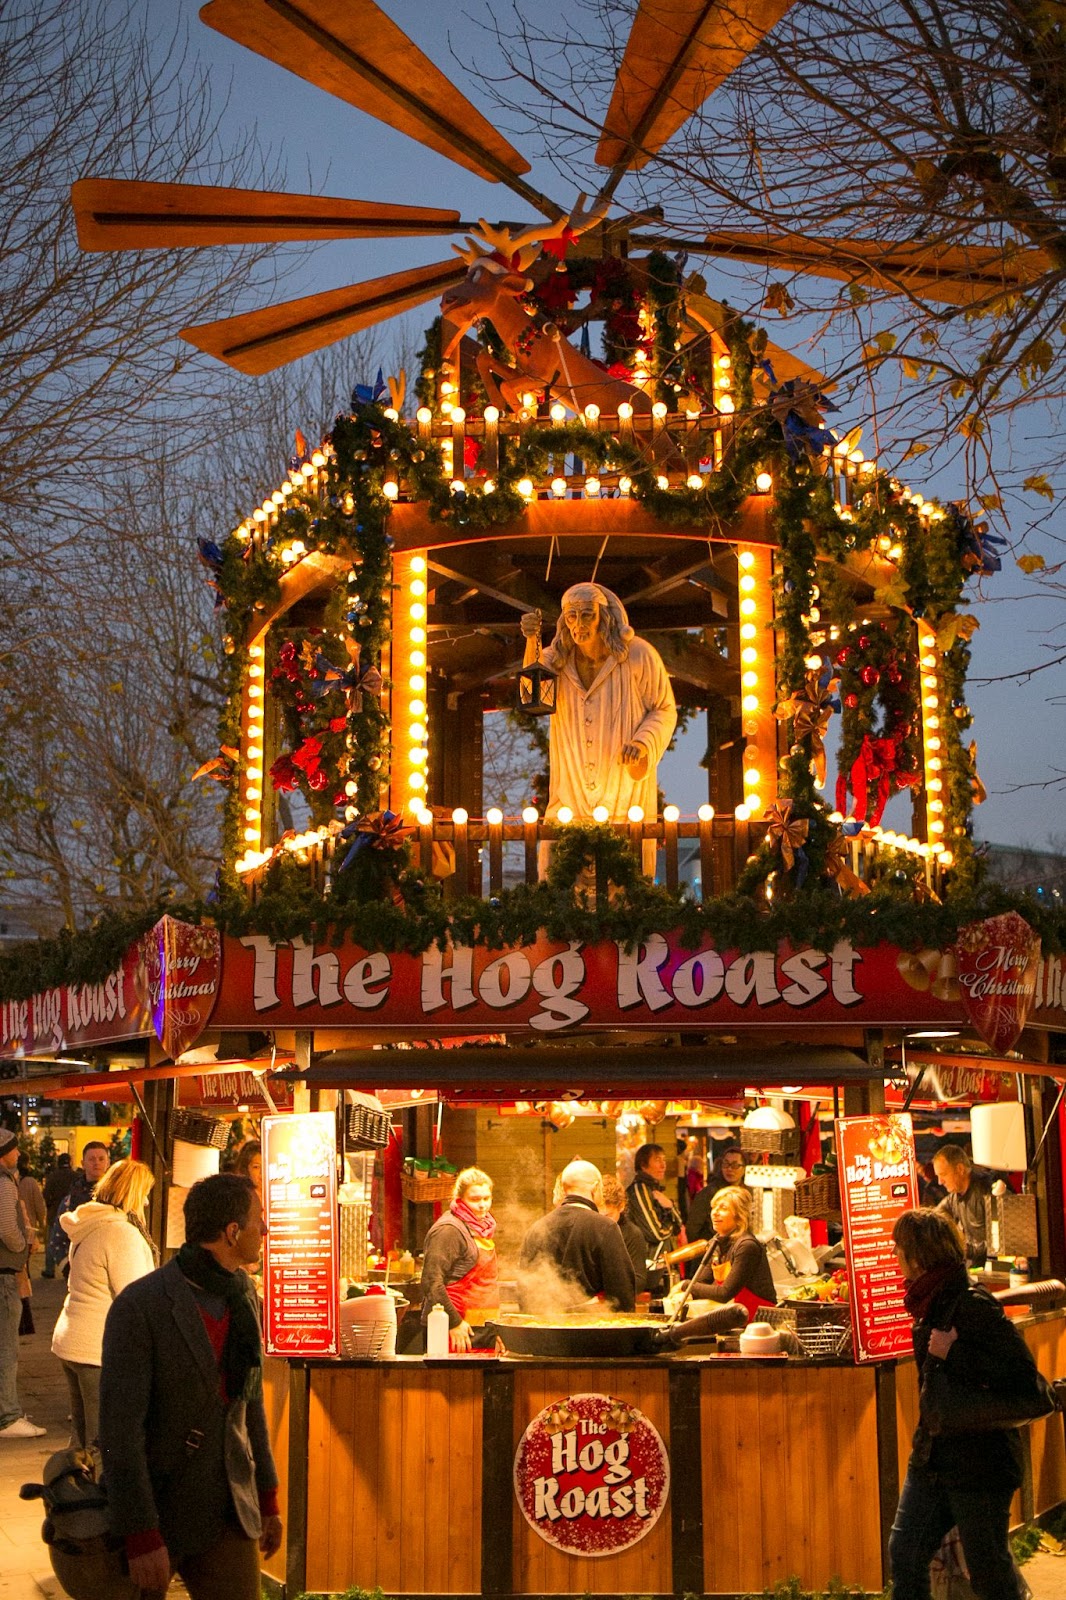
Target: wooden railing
x=482 y=855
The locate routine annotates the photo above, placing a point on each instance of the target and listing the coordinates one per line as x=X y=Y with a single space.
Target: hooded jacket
x=107 y=1252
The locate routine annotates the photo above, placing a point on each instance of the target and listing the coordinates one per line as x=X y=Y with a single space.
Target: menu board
x=301 y=1267
x=878 y=1182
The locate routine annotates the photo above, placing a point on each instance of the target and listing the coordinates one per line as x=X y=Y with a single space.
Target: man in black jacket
x=187 y=1461
x=647 y=1202
x=575 y=1253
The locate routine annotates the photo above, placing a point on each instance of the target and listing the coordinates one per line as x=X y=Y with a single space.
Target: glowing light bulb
x=749 y=655
x=747 y=583
x=492 y=413
x=747 y=608
x=390 y=489
x=494 y=816
x=752 y=776
x=706 y=813
x=764 y=482
x=417 y=755
x=416 y=682
x=417 y=708
x=600 y=814
x=425 y=817
x=745 y=559
x=742 y=814
x=625 y=411
x=671 y=814
x=416 y=732
x=624 y=486
x=724 y=402
x=564 y=814
x=748 y=630
x=418 y=658
x=418 y=586
x=750 y=702
x=658 y=411
x=694 y=480
x=558 y=412
x=417 y=612
x=424 y=415
x=525 y=488
x=530 y=815
x=416 y=781
x=662 y=481
x=558 y=487
x=592 y=487
x=635 y=813
x=749 y=680
x=417 y=635
x=592 y=412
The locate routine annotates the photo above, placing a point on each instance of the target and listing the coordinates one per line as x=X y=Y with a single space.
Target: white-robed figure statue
x=615 y=711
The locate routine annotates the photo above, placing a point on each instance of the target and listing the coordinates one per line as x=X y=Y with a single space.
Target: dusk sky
x=326 y=146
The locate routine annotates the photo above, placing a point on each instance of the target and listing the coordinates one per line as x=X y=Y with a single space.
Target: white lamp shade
x=998 y=1136
x=193 y=1162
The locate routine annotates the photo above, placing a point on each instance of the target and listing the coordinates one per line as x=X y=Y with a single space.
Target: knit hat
x=7 y=1140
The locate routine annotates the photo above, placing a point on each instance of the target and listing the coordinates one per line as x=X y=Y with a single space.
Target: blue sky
x=326 y=146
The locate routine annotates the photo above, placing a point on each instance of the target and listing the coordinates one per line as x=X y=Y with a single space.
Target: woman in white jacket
x=109 y=1248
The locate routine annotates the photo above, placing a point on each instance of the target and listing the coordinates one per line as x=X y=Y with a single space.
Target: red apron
x=476 y=1295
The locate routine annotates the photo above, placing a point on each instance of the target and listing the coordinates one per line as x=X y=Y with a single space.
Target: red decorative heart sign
x=997 y=961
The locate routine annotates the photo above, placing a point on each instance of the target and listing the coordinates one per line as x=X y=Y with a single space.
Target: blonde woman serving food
x=459 y=1270
x=109 y=1248
x=737 y=1262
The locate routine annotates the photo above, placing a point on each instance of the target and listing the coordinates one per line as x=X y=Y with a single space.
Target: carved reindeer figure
x=539 y=356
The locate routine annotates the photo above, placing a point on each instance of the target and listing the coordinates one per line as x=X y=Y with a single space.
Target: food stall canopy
x=119 y=1085
x=516 y=1072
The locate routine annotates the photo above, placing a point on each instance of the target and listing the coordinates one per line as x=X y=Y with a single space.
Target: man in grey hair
x=968 y=1200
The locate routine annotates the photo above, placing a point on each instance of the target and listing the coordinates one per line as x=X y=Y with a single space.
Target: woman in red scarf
x=459 y=1269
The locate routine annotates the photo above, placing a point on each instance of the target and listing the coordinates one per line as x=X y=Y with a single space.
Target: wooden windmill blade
x=118 y=214
x=948 y=274
x=678 y=52
x=353 y=50
x=258 y=341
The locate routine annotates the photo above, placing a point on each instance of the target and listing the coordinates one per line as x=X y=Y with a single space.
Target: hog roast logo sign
x=591 y=1475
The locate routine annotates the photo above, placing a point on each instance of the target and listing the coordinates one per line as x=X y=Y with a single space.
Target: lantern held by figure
x=536 y=689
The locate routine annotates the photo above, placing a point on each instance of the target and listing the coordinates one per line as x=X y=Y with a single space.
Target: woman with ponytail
x=459 y=1270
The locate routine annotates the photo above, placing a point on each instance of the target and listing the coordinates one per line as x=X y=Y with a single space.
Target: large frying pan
x=596 y=1337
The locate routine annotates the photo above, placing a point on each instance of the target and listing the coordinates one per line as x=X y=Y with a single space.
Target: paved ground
x=25 y=1573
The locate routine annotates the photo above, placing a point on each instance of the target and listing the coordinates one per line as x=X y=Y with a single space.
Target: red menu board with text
x=878 y=1181
x=301 y=1276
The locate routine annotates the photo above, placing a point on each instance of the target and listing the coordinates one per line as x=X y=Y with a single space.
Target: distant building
x=1025 y=868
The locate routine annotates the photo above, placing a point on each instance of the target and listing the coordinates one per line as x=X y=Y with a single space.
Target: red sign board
x=301 y=1271
x=878 y=1182
x=166 y=984
x=591 y=1474
x=547 y=986
x=998 y=962
x=231 y=1090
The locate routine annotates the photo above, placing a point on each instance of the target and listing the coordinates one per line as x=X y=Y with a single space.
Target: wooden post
x=495 y=826
x=670 y=846
x=706 y=818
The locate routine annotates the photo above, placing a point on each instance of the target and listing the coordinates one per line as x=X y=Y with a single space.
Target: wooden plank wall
x=524 y=1158
x=789 y=1478
x=645 y=1568
x=276 y=1401
x=394 y=1479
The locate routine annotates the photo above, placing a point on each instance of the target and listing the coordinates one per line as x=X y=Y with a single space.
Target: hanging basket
x=193 y=1127
x=770 y=1141
x=366 y=1129
x=818 y=1196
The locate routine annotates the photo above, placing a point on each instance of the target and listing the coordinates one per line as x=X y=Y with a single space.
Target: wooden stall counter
x=422 y=1477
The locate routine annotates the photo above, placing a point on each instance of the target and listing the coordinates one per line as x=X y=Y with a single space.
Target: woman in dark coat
x=740 y=1258
x=966 y=1480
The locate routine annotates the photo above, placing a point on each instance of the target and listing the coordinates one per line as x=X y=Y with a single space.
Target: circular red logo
x=591 y=1474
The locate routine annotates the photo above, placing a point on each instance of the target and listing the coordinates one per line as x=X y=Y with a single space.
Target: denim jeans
x=10 y=1317
x=928 y=1509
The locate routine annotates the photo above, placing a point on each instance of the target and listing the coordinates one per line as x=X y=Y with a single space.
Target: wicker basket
x=818 y=1196
x=427 y=1189
x=366 y=1341
x=800 y=1314
x=193 y=1127
x=770 y=1141
x=366 y=1129
x=1016 y=1214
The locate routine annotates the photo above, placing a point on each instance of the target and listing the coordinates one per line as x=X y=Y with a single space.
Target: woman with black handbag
x=977 y=1378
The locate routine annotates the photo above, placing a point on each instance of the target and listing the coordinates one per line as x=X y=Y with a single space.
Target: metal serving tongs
x=689 y=1282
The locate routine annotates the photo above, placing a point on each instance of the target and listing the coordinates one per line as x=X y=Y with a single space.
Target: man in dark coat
x=647 y=1202
x=575 y=1253
x=187 y=1461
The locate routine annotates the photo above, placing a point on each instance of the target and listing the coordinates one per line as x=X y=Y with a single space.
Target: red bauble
x=842 y=657
x=318 y=779
x=870 y=676
x=851 y=701
x=864 y=641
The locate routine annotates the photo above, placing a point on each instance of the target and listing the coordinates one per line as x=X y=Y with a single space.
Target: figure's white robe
x=629 y=701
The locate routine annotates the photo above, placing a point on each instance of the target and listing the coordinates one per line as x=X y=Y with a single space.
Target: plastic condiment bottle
x=437 y=1332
